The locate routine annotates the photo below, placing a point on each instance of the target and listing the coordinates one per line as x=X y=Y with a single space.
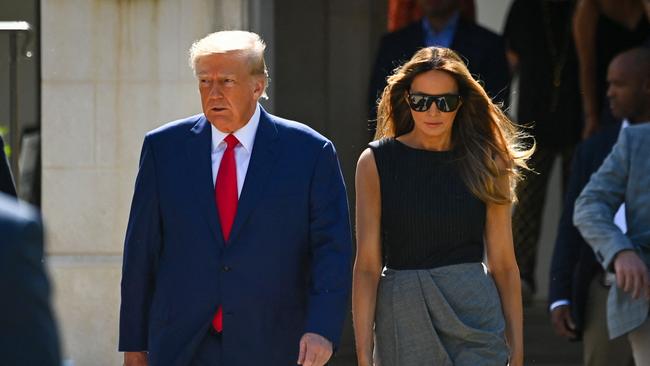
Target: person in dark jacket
x=442 y=25
x=28 y=334
x=578 y=285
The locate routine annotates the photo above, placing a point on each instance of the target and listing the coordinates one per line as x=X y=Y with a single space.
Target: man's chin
x=220 y=123
x=217 y=119
x=617 y=114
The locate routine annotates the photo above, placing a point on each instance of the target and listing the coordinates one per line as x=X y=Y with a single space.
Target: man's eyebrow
x=219 y=75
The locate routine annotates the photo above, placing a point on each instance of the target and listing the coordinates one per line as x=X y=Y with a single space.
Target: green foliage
x=3 y=133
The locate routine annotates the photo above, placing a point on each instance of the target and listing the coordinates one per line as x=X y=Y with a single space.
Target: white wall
x=492 y=13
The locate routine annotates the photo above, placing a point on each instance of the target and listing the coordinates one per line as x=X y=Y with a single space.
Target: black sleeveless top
x=429 y=218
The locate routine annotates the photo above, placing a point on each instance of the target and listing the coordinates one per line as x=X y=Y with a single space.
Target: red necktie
x=225 y=193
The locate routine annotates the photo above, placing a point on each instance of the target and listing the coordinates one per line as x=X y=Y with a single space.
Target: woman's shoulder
x=382 y=144
x=383 y=149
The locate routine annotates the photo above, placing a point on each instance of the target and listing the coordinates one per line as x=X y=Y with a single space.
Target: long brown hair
x=487 y=144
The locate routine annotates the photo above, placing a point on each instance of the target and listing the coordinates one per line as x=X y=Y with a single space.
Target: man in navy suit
x=28 y=335
x=238 y=246
x=443 y=26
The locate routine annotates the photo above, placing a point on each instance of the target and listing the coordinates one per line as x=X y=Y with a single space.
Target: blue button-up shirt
x=442 y=38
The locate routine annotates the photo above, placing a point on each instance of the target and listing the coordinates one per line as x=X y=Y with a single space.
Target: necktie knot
x=231 y=141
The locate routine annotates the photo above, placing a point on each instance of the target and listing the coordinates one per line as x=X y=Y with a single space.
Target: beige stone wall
x=111 y=70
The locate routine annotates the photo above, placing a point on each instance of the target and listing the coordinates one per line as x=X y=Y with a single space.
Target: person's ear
x=259 y=82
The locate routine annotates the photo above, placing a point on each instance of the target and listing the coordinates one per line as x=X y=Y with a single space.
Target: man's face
x=229 y=92
x=627 y=91
x=435 y=8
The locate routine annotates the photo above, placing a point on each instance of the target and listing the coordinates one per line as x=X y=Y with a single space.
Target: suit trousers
x=597 y=348
x=640 y=342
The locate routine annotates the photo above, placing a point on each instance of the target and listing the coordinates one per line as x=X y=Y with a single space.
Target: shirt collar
x=625 y=123
x=245 y=135
x=449 y=27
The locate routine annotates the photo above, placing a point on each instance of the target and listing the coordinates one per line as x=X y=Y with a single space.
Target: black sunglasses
x=420 y=102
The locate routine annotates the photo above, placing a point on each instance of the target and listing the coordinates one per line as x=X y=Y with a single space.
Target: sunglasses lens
x=447 y=103
x=420 y=103
x=444 y=103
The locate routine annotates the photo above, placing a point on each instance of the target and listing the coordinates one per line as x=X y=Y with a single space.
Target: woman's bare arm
x=368 y=263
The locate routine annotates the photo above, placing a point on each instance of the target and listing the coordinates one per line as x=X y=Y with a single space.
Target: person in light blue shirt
x=624 y=177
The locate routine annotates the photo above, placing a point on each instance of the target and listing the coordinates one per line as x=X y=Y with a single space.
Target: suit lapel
x=259 y=167
x=199 y=164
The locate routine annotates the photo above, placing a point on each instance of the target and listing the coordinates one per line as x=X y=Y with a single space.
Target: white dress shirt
x=243 y=150
x=619 y=220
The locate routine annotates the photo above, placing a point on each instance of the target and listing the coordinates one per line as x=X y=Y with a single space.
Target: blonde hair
x=248 y=43
x=487 y=144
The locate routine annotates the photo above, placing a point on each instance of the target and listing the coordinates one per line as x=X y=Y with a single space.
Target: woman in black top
x=433 y=190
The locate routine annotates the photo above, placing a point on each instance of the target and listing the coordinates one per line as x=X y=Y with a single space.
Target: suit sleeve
x=568 y=241
x=26 y=320
x=331 y=247
x=597 y=204
x=384 y=64
x=141 y=248
x=514 y=31
x=497 y=74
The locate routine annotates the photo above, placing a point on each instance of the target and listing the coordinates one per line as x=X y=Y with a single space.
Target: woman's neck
x=415 y=140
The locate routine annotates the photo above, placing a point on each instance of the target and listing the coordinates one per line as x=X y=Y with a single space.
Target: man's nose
x=216 y=91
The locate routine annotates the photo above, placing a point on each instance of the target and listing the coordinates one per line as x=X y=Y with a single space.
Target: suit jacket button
x=225 y=269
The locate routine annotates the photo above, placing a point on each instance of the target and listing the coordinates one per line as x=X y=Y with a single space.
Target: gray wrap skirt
x=445 y=316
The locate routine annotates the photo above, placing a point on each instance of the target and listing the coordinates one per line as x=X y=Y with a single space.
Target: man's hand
x=135 y=359
x=632 y=274
x=315 y=350
x=562 y=322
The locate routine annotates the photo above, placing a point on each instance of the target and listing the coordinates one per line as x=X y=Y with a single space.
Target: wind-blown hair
x=486 y=143
x=249 y=43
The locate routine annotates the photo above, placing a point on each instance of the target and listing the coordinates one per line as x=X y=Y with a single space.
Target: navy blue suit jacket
x=284 y=271
x=28 y=334
x=483 y=50
x=573 y=265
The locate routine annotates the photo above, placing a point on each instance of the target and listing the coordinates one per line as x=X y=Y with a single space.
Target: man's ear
x=259 y=82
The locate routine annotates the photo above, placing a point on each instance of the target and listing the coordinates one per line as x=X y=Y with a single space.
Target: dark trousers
x=527 y=214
